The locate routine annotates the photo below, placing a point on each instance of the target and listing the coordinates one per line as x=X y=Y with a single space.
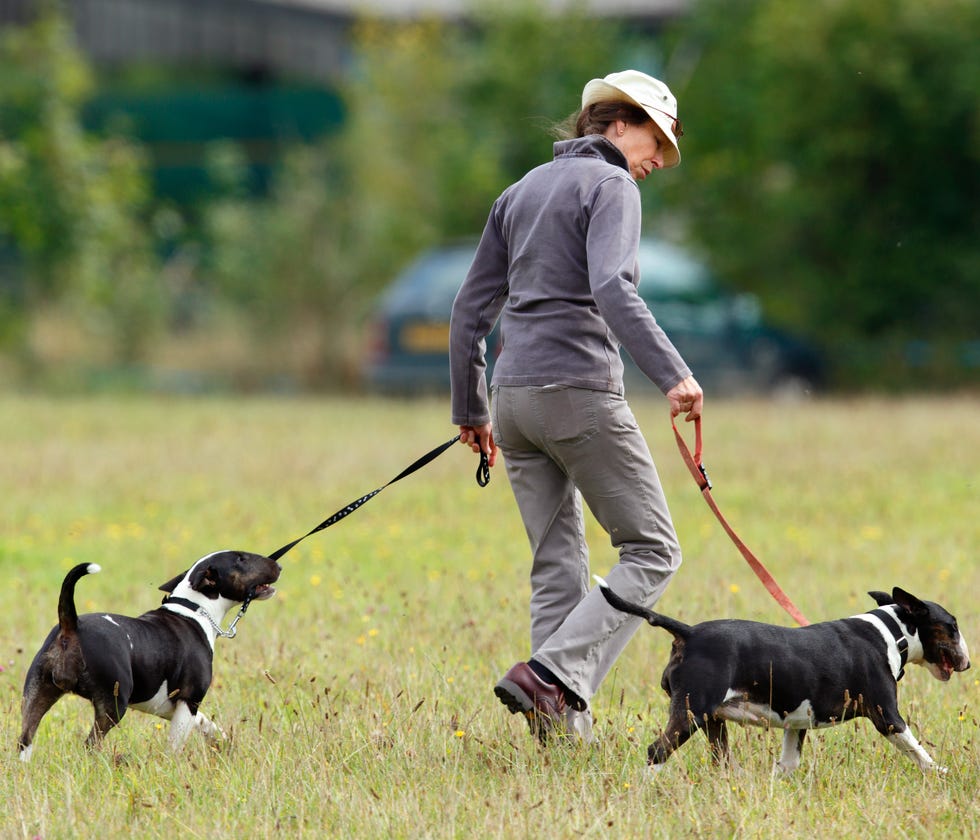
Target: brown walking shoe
x=542 y=703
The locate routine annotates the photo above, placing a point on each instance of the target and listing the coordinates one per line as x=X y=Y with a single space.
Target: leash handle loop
x=694 y=462
x=483 y=470
x=696 y=468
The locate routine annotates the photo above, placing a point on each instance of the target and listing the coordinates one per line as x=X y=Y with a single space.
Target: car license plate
x=425 y=338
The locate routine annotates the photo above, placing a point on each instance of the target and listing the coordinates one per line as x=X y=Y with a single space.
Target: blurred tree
x=830 y=163
x=289 y=268
x=439 y=120
x=70 y=204
x=833 y=160
x=443 y=118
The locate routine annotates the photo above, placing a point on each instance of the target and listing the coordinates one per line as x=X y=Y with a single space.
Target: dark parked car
x=722 y=336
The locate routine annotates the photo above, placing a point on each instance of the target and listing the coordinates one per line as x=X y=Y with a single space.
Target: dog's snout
x=964 y=652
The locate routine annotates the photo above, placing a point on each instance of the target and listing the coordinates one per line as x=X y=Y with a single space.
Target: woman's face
x=641 y=144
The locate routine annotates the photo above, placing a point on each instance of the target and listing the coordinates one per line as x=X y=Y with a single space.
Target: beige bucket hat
x=652 y=95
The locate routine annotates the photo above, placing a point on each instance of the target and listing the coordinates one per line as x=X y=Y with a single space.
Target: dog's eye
x=946 y=630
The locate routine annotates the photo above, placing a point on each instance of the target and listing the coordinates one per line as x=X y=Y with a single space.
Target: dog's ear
x=909 y=601
x=882 y=599
x=171 y=585
x=204 y=579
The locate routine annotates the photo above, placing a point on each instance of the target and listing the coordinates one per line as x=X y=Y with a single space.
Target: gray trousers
x=560 y=445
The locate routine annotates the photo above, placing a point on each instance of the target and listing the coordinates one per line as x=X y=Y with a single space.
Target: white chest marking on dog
x=739 y=710
x=196 y=615
x=159 y=704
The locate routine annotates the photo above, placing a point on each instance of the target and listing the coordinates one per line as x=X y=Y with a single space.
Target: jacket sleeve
x=477 y=307
x=612 y=245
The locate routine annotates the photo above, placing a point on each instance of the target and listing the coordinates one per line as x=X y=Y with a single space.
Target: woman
x=558 y=263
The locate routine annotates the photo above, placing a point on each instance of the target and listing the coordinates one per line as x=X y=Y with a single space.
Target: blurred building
x=258 y=73
x=304 y=38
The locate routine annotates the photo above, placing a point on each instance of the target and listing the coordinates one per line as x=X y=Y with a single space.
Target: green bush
x=71 y=205
x=833 y=157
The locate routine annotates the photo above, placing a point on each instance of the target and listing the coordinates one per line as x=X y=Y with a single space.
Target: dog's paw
x=781 y=769
x=652 y=771
x=215 y=734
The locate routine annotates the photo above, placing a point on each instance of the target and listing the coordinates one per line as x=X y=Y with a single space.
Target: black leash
x=482 y=478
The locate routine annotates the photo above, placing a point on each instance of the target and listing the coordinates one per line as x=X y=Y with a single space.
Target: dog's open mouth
x=943 y=669
x=263 y=591
x=946 y=666
x=949 y=661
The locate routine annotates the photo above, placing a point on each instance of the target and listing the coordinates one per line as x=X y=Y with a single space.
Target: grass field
x=358 y=701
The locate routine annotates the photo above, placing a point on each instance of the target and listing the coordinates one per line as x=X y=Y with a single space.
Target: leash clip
x=704 y=472
x=232 y=630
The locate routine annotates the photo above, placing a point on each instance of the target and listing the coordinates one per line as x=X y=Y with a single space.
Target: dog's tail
x=677 y=628
x=67 y=615
x=65 y=658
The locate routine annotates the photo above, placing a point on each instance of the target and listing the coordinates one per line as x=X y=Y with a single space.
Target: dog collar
x=181 y=602
x=197 y=609
x=901 y=642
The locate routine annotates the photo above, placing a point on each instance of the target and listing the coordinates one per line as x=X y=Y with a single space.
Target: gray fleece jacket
x=557 y=263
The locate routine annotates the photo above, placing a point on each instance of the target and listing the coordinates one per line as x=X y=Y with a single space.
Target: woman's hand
x=480 y=439
x=687 y=396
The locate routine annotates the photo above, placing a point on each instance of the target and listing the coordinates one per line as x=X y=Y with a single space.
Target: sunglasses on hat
x=677 y=127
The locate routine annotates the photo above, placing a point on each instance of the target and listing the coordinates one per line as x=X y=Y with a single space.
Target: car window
x=430 y=284
x=669 y=273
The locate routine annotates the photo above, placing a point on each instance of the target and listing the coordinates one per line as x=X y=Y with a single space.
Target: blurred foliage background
x=831 y=165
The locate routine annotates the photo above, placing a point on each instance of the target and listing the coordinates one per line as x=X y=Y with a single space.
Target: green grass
x=358 y=701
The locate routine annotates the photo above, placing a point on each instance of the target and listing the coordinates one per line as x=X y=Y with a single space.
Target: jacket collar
x=594 y=146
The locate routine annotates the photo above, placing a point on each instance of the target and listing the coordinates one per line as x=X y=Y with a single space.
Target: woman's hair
x=595 y=119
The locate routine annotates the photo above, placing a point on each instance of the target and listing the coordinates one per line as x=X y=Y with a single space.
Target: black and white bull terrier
x=800 y=678
x=159 y=662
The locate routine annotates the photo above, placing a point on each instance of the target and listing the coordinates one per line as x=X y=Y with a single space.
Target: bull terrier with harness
x=800 y=678
x=159 y=662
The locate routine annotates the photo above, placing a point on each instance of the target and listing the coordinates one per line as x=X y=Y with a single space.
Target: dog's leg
x=907 y=743
x=681 y=725
x=39 y=697
x=184 y=721
x=789 y=759
x=717 y=734
x=890 y=723
x=105 y=718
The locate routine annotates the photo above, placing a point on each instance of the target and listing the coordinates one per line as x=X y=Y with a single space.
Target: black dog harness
x=901 y=642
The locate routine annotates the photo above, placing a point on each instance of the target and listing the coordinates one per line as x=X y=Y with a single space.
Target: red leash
x=696 y=466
